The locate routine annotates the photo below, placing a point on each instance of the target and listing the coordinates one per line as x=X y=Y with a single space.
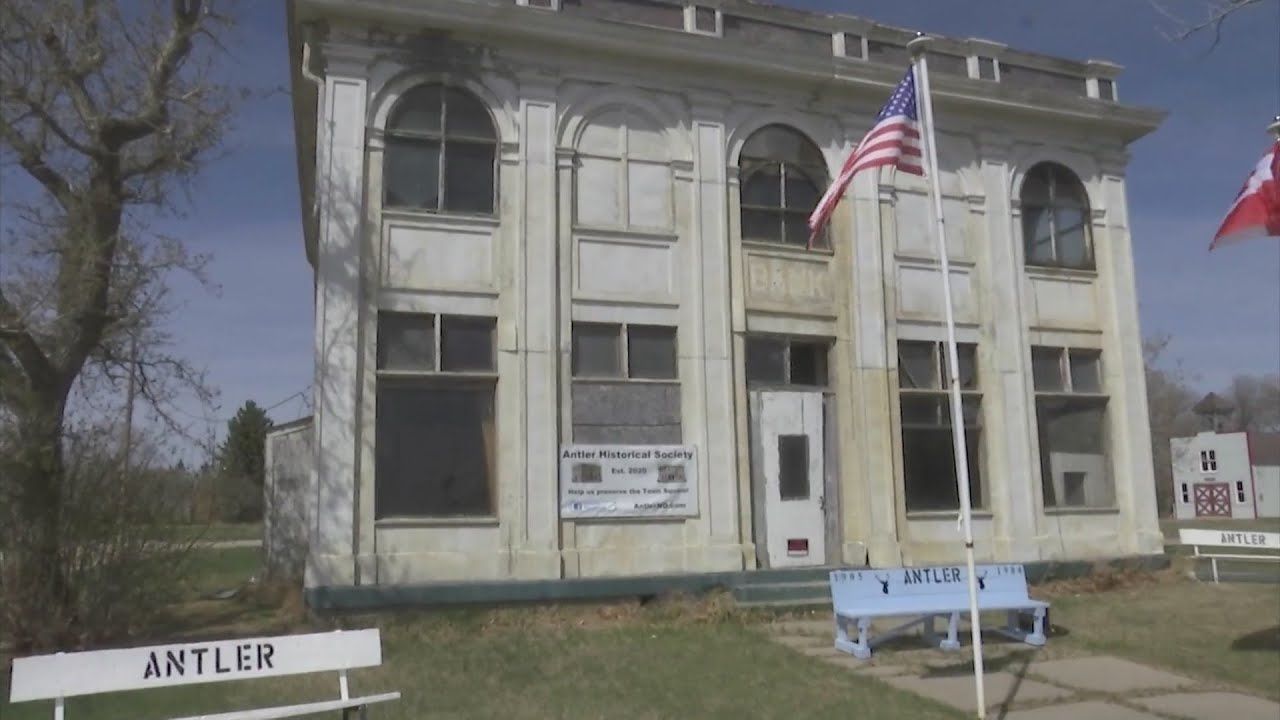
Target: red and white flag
x=1256 y=210
x=893 y=140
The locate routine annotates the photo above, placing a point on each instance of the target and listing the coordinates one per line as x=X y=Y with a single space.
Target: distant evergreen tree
x=241 y=463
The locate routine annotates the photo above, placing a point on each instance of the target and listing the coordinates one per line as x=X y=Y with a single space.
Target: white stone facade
x=618 y=201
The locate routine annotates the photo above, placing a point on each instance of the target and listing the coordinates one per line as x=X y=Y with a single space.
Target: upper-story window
x=441 y=152
x=783 y=174
x=1055 y=218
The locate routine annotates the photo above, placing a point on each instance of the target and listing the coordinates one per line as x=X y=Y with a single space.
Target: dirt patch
x=1105 y=578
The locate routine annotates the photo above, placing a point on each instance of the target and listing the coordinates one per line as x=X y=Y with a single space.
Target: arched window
x=783 y=176
x=1055 y=218
x=441 y=152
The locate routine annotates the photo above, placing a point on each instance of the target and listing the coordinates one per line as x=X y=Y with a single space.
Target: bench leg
x=1037 y=629
x=1214 y=562
x=860 y=648
x=362 y=711
x=953 y=625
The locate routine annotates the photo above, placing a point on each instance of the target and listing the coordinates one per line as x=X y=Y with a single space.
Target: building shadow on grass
x=1267 y=640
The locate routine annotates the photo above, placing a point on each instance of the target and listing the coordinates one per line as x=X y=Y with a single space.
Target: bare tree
x=1210 y=17
x=108 y=109
x=1257 y=402
x=1169 y=403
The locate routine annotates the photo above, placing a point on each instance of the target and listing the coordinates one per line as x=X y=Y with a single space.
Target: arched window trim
x=815 y=174
x=443 y=138
x=1057 y=179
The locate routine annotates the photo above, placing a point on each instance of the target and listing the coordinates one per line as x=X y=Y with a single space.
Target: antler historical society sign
x=617 y=481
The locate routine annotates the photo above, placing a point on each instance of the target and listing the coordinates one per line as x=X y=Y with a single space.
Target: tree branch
x=155 y=112
x=31 y=160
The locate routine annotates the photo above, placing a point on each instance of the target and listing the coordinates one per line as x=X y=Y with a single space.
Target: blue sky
x=1223 y=309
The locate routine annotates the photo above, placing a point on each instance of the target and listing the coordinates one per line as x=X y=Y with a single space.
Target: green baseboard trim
x=360 y=598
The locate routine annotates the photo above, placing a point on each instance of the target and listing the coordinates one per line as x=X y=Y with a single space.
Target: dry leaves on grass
x=1106 y=578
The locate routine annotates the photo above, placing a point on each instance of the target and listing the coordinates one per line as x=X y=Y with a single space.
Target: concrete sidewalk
x=1023 y=683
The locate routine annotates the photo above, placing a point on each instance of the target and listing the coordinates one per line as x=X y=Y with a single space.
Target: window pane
x=797 y=228
x=596 y=350
x=1038 y=235
x=468 y=177
x=411 y=173
x=599 y=183
x=406 y=342
x=793 y=467
x=466 y=344
x=966 y=353
x=435 y=451
x=466 y=116
x=766 y=361
x=1035 y=189
x=651 y=352
x=1106 y=89
x=1086 y=375
x=927 y=411
x=417 y=111
x=704 y=19
x=916 y=368
x=987 y=68
x=1072 y=435
x=1046 y=369
x=780 y=143
x=929 y=469
x=763 y=187
x=802 y=194
x=762 y=225
x=809 y=363
x=1073 y=246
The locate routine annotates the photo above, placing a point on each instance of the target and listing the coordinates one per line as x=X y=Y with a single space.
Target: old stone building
x=539 y=226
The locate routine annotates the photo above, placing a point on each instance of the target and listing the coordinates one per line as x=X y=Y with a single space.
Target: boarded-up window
x=636 y=12
x=1037 y=79
x=760 y=33
x=928 y=445
x=625 y=384
x=1071 y=418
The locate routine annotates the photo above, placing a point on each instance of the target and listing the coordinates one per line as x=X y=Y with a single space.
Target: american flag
x=893 y=140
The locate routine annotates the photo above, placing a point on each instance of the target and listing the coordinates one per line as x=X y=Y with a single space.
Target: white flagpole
x=917 y=48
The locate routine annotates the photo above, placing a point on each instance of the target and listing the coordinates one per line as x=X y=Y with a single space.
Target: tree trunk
x=40 y=573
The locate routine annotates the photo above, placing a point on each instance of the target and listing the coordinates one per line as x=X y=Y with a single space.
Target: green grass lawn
x=1229 y=633
x=538 y=664
x=666 y=660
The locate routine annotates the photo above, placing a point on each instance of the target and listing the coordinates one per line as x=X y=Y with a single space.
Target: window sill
x=1053 y=272
x=788 y=249
x=442 y=217
x=657 y=235
x=1082 y=511
x=948 y=514
x=434 y=522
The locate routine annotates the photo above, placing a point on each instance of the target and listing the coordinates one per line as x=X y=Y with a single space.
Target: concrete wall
x=289 y=499
x=1266 y=480
x=578 y=238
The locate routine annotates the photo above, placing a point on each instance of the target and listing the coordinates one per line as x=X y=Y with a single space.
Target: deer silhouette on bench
x=62 y=675
x=925 y=593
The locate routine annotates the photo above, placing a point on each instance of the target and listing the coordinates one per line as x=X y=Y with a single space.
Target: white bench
x=63 y=675
x=1267 y=543
x=923 y=594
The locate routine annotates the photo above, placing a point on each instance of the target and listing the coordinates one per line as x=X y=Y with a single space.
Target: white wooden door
x=790 y=436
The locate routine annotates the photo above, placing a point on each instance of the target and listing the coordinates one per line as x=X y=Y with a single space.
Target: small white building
x=539 y=226
x=1226 y=475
